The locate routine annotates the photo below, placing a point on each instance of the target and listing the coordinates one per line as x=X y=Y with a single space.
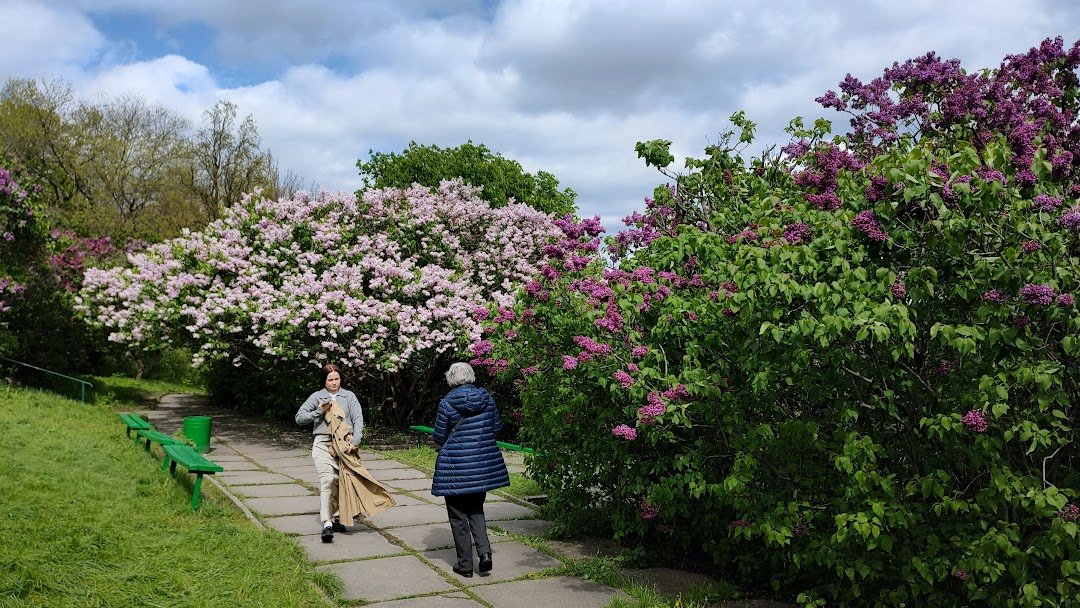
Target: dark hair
x=327 y=369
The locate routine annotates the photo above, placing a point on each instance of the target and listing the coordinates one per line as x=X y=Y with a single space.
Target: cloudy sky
x=567 y=86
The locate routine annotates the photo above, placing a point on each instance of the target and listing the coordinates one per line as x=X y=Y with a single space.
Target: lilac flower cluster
x=797 y=233
x=628 y=433
x=1045 y=202
x=995 y=295
x=739 y=523
x=821 y=176
x=624 y=379
x=1031 y=246
x=898 y=289
x=648 y=510
x=1020 y=100
x=648 y=413
x=1071 y=512
x=975 y=421
x=1040 y=295
x=1066 y=300
x=867 y=223
x=1070 y=220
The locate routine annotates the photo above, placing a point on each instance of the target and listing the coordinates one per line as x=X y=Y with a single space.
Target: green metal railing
x=82 y=383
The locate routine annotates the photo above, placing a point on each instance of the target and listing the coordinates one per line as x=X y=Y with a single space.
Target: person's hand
x=352 y=449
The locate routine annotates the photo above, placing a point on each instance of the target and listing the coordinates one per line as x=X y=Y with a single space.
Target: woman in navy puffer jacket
x=469 y=463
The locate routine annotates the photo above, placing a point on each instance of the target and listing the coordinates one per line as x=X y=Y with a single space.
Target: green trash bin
x=197 y=429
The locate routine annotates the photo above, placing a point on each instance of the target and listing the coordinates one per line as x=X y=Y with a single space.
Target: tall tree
x=226 y=160
x=137 y=153
x=501 y=178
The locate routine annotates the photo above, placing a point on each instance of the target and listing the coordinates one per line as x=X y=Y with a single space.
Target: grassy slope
x=88 y=519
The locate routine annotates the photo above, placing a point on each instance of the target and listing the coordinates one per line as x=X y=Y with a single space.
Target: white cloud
x=39 y=42
x=559 y=85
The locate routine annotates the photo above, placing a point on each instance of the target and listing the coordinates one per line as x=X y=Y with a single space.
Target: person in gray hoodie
x=469 y=464
x=313 y=412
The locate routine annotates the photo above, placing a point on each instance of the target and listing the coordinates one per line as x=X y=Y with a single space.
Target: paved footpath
x=399 y=558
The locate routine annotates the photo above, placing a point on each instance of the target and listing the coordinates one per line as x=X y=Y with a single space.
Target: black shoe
x=328 y=534
x=337 y=526
x=485 y=563
x=465 y=573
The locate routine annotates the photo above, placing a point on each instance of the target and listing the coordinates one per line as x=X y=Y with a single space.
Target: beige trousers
x=327 y=466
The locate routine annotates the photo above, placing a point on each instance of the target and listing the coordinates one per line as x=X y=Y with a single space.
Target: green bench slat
x=183 y=454
x=152 y=436
x=502 y=444
x=134 y=422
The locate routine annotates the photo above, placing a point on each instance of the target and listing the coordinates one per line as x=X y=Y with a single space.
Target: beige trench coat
x=358 y=492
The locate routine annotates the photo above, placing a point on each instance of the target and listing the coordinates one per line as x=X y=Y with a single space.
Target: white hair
x=460 y=373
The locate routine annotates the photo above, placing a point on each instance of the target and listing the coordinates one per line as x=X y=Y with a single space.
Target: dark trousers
x=466 y=512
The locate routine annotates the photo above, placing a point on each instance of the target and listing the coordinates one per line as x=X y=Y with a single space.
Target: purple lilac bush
x=854 y=380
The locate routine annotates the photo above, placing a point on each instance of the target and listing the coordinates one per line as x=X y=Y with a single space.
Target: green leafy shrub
x=848 y=371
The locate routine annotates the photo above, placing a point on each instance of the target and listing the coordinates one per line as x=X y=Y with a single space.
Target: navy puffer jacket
x=468 y=461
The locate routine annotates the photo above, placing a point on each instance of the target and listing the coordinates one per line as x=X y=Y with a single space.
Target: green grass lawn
x=133 y=392
x=88 y=519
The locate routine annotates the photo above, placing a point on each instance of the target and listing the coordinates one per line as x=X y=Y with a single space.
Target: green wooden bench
x=151 y=436
x=502 y=444
x=134 y=422
x=187 y=457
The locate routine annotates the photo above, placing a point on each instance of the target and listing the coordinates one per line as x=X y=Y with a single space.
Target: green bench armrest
x=185 y=456
x=502 y=444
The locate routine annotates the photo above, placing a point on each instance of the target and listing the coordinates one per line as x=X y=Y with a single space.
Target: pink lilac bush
x=370 y=283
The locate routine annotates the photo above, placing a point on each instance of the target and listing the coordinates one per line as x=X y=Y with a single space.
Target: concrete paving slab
x=396 y=577
x=433 y=601
x=281 y=489
x=294 y=471
x=349 y=545
x=430 y=537
x=419 y=483
x=366 y=456
x=585 y=548
x=507 y=510
x=404 y=500
x=511 y=560
x=296 y=524
x=284 y=505
x=530 y=527
x=250 y=478
x=414 y=515
x=281 y=463
x=379 y=465
x=561 y=591
x=311 y=477
x=515 y=468
x=224 y=453
x=256 y=450
x=390 y=474
x=427 y=496
x=236 y=465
